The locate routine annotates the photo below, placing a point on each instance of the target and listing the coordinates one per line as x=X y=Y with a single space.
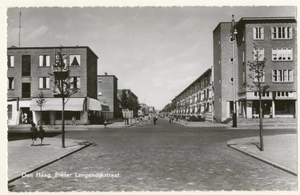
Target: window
x=64 y=59
x=44 y=60
x=282 y=76
x=74 y=60
x=26 y=65
x=243 y=56
x=282 y=54
x=9 y=112
x=25 y=90
x=282 y=33
x=44 y=83
x=261 y=75
x=244 y=77
x=75 y=82
x=258 y=33
x=258 y=54
x=10 y=61
x=11 y=83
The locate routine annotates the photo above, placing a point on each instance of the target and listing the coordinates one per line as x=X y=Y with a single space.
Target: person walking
x=105 y=123
x=73 y=120
x=140 y=120
x=34 y=133
x=41 y=134
x=154 y=119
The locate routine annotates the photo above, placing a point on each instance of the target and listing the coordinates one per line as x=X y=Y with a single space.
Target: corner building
x=275 y=38
x=29 y=73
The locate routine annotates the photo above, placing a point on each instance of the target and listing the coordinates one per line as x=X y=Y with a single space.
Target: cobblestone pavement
x=161 y=157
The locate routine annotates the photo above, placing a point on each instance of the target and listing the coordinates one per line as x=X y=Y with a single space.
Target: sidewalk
x=279 y=150
x=239 y=125
x=201 y=124
x=24 y=158
x=26 y=127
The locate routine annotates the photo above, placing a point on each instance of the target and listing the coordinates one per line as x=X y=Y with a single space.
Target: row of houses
x=30 y=72
x=213 y=94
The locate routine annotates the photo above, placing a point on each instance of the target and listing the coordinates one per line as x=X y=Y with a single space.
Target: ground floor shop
x=77 y=111
x=270 y=108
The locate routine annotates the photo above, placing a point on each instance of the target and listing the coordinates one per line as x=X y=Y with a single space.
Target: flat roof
x=52 y=47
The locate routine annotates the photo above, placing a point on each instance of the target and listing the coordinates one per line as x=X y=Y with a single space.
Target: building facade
x=275 y=40
x=108 y=93
x=30 y=72
x=197 y=100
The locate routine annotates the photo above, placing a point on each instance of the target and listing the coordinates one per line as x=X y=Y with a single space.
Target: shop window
x=68 y=115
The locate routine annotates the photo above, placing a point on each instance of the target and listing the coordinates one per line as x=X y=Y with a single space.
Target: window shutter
x=13 y=83
x=48 y=83
x=254 y=32
x=262 y=33
x=47 y=60
x=41 y=61
x=71 y=82
x=40 y=82
x=78 y=82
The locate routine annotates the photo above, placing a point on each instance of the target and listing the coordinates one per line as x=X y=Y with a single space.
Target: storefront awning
x=55 y=104
x=97 y=105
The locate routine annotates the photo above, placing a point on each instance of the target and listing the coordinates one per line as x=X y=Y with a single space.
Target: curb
x=47 y=162
x=283 y=168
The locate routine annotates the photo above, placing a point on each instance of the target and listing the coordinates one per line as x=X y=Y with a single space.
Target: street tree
x=41 y=102
x=64 y=86
x=257 y=74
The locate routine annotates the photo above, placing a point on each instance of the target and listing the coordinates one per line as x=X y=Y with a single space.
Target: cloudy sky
x=154 y=51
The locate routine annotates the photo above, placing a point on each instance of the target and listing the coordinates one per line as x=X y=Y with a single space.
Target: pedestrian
x=25 y=118
x=41 y=134
x=105 y=123
x=34 y=133
x=154 y=119
x=140 y=120
x=149 y=120
x=74 y=120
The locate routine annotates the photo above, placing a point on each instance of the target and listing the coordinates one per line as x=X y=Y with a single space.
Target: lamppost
x=233 y=40
x=61 y=73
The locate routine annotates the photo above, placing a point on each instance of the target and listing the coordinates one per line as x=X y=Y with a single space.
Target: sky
x=154 y=51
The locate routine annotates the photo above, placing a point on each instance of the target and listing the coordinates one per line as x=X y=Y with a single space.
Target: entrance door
x=26 y=116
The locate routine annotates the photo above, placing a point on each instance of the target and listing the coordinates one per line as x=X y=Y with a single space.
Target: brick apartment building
x=108 y=93
x=197 y=99
x=275 y=38
x=28 y=73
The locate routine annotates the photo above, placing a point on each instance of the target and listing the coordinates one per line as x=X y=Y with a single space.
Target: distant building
x=276 y=39
x=197 y=99
x=108 y=93
x=28 y=74
x=144 y=110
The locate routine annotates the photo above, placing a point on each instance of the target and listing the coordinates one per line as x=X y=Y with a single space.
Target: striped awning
x=55 y=104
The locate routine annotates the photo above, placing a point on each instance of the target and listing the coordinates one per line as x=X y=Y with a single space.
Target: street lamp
x=233 y=32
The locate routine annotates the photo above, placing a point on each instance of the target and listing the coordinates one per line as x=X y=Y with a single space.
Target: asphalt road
x=161 y=157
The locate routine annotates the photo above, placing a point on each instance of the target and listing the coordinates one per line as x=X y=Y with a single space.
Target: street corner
x=243 y=142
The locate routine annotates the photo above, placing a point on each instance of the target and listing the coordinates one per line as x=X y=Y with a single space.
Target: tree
x=257 y=73
x=64 y=86
x=124 y=100
x=41 y=101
